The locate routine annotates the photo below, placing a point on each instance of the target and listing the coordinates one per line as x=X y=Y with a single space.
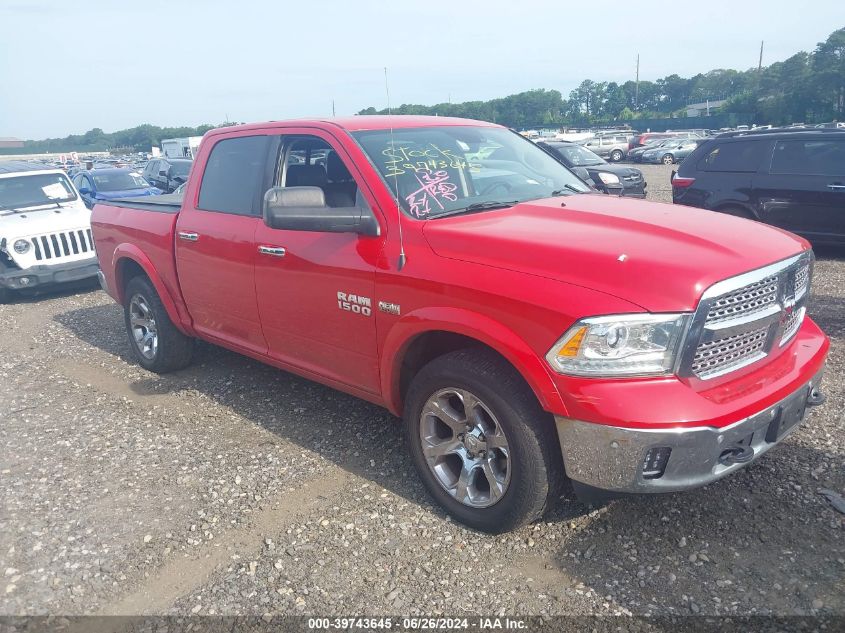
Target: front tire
x=616 y=155
x=156 y=343
x=668 y=159
x=484 y=448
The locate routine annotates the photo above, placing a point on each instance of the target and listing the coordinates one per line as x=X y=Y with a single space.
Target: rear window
x=737 y=156
x=809 y=157
x=232 y=175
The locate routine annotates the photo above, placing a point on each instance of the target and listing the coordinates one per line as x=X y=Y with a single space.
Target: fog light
x=654 y=464
x=21 y=247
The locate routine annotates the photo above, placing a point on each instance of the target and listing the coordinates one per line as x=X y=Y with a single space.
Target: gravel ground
x=232 y=488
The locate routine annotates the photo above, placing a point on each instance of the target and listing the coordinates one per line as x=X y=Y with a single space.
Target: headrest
x=336 y=169
x=305 y=176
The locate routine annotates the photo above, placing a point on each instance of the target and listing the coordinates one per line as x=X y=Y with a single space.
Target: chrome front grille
x=63 y=244
x=741 y=320
x=745 y=301
x=723 y=353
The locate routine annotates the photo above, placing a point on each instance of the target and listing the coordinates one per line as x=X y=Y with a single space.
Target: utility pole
x=760 y=62
x=333 y=114
x=637 y=85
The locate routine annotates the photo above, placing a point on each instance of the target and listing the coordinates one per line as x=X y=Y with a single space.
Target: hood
x=128 y=193
x=659 y=256
x=45 y=218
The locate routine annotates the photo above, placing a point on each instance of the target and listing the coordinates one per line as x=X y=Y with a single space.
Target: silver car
x=671 y=151
x=613 y=148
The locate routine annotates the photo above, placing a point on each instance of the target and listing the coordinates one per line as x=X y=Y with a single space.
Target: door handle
x=188 y=236
x=836 y=187
x=275 y=251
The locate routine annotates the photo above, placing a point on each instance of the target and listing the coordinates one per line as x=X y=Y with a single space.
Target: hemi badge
x=390 y=308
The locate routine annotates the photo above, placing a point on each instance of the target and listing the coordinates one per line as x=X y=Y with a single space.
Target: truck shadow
x=359 y=437
x=618 y=549
x=762 y=541
x=829 y=313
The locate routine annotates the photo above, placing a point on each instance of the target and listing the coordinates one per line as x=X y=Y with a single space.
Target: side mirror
x=85 y=191
x=304 y=209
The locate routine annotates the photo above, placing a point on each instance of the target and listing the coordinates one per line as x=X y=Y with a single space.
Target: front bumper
x=599 y=458
x=19 y=279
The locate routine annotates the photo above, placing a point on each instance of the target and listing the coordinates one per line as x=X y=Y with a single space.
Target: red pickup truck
x=457 y=274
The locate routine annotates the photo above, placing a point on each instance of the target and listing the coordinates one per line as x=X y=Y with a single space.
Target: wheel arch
x=128 y=262
x=424 y=335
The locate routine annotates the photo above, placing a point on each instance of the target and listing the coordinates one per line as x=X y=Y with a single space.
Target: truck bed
x=167 y=203
x=143 y=229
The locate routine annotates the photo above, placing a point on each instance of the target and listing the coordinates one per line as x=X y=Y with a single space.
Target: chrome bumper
x=607 y=458
x=102 y=279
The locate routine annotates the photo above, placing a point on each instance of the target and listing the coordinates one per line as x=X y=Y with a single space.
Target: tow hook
x=736 y=455
x=815 y=397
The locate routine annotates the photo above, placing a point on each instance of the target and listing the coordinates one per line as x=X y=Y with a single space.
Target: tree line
x=140 y=138
x=807 y=87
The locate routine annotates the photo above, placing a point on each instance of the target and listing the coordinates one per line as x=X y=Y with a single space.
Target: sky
x=67 y=67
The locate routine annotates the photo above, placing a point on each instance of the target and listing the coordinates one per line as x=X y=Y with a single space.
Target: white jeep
x=45 y=229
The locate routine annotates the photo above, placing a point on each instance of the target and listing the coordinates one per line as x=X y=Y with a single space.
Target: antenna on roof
x=401 y=263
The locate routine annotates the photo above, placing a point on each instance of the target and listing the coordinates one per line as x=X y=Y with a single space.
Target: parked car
x=167 y=173
x=643 y=139
x=793 y=179
x=614 y=148
x=109 y=184
x=607 y=178
x=520 y=328
x=671 y=151
x=45 y=230
x=636 y=155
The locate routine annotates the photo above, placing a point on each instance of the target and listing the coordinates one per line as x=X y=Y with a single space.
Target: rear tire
x=156 y=343
x=510 y=470
x=616 y=155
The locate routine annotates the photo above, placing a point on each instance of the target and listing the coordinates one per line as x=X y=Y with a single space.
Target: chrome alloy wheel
x=465 y=447
x=143 y=325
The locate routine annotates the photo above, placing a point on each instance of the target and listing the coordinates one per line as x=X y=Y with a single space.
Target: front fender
x=472 y=325
x=135 y=254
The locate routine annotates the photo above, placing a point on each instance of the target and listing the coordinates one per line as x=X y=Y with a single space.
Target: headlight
x=608 y=179
x=620 y=345
x=21 y=246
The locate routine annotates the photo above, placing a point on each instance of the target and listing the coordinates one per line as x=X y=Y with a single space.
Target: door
x=316 y=290
x=215 y=243
x=804 y=190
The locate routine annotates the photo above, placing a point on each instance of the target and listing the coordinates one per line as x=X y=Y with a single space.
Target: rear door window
x=736 y=156
x=232 y=176
x=809 y=157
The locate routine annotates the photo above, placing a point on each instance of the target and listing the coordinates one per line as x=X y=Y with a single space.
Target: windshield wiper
x=477 y=206
x=559 y=192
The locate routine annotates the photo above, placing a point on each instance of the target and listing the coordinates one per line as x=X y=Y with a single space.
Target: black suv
x=167 y=173
x=597 y=172
x=793 y=179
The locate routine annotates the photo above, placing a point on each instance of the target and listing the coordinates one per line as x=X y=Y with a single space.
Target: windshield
x=578 y=156
x=36 y=189
x=437 y=170
x=119 y=181
x=181 y=168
